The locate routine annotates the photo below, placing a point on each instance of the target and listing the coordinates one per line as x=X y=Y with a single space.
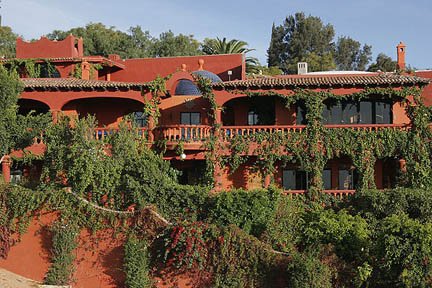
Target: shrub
x=136 y=264
x=403 y=252
x=63 y=245
x=248 y=210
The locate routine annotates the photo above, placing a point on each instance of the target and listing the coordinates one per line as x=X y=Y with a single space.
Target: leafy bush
x=136 y=264
x=307 y=270
x=248 y=210
x=375 y=204
x=349 y=234
x=403 y=253
x=283 y=228
x=61 y=270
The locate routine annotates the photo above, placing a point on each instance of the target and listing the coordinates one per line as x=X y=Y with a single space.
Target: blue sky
x=380 y=23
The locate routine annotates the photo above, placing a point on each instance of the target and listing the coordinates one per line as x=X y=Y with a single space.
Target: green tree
x=349 y=55
x=100 y=40
x=169 y=45
x=383 y=63
x=234 y=46
x=14 y=132
x=297 y=38
x=7 y=42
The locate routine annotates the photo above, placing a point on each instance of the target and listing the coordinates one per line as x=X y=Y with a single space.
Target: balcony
x=339 y=194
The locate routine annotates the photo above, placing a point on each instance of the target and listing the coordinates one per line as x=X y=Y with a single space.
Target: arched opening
x=108 y=111
x=25 y=106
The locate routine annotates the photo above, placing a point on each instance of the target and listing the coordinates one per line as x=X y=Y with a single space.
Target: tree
x=350 y=56
x=16 y=131
x=304 y=39
x=169 y=45
x=297 y=38
x=383 y=63
x=234 y=46
x=100 y=40
x=7 y=42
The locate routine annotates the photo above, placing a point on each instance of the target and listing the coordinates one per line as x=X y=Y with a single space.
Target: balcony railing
x=101 y=133
x=229 y=132
x=191 y=133
x=340 y=194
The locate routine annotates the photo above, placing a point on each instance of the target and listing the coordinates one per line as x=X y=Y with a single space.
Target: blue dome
x=209 y=75
x=187 y=87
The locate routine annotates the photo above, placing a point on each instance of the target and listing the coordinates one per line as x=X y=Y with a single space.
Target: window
x=363 y=112
x=300 y=115
x=294 y=180
x=253 y=118
x=190 y=118
x=327 y=179
x=347 y=179
x=139 y=119
x=298 y=179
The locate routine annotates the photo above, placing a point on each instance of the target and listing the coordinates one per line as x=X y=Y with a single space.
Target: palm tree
x=234 y=46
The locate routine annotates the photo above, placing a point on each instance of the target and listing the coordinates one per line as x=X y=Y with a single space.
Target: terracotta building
x=112 y=88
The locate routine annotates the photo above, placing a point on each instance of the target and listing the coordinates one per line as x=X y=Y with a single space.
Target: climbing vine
x=316 y=144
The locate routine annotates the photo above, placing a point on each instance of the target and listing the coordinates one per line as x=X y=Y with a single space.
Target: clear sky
x=380 y=23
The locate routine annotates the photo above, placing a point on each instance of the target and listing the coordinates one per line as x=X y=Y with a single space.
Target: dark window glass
x=253 y=118
x=139 y=119
x=366 y=112
x=326 y=177
x=383 y=113
x=300 y=115
x=294 y=180
x=347 y=179
x=350 y=113
x=190 y=118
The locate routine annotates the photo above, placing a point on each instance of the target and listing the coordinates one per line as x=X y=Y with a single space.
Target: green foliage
x=383 y=63
x=284 y=228
x=16 y=131
x=307 y=270
x=169 y=45
x=404 y=250
x=241 y=260
x=350 y=56
x=302 y=38
x=129 y=166
x=63 y=245
x=7 y=42
x=234 y=46
x=248 y=210
x=136 y=264
x=349 y=234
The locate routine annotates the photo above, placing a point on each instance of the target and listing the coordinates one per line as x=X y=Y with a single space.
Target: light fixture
x=229 y=75
x=183 y=156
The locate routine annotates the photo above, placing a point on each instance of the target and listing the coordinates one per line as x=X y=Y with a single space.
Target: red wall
x=427 y=92
x=147 y=69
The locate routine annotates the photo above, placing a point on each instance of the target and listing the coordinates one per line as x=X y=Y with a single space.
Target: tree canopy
x=383 y=63
x=7 y=42
x=303 y=38
x=222 y=46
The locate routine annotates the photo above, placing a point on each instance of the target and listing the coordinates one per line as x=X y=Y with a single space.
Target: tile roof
x=323 y=80
x=73 y=83
x=96 y=59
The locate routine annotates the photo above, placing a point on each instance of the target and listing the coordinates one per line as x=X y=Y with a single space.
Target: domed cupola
x=188 y=87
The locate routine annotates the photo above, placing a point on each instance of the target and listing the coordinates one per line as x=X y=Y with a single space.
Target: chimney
x=401 y=56
x=302 y=68
x=114 y=57
x=85 y=70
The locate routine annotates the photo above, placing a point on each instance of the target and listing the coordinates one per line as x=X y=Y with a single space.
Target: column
x=6 y=163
